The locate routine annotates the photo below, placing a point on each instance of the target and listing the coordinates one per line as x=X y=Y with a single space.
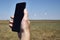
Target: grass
x=40 y=30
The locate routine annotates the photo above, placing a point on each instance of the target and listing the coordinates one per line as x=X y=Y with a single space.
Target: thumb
x=25 y=14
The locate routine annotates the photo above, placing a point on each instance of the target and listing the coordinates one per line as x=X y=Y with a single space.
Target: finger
x=25 y=14
x=12 y=17
x=10 y=25
x=11 y=21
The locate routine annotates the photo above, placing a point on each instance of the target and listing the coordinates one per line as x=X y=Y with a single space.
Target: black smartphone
x=19 y=13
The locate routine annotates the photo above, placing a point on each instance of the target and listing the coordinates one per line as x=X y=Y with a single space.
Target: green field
x=40 y=30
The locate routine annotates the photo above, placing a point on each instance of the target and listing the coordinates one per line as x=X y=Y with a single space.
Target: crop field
x=40 y=30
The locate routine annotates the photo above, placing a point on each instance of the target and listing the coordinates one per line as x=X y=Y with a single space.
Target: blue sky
x=38 y=9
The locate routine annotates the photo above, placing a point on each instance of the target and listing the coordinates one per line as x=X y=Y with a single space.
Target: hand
x=25 y=26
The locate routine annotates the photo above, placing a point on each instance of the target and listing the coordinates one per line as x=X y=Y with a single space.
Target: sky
x=37 y=9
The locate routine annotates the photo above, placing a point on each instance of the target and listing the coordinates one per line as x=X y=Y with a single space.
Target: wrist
x=26 y=35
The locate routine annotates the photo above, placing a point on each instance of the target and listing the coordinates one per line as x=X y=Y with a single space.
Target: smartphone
x=18 y=15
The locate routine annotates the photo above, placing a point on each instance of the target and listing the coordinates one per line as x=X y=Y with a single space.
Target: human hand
x=25 y=26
